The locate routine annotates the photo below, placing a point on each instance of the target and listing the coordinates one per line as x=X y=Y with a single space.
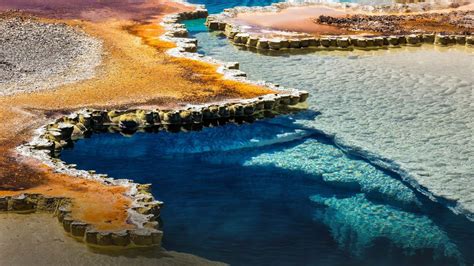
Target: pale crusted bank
x=37 y=56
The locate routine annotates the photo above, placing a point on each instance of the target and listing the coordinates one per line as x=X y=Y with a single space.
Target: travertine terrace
x=130 y=70
x=289 y=26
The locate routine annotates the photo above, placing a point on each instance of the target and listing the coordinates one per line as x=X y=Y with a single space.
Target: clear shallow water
x=276 y=193
x=217 y=6
x=407 y=109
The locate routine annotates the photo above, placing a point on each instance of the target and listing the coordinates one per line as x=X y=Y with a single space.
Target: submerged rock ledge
x=144 y=212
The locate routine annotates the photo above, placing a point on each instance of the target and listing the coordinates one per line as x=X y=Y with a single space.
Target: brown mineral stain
x=303 y=20
x=297 y=19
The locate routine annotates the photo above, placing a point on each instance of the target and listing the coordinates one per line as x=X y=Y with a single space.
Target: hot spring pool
x=407 y=109
x=276 y=193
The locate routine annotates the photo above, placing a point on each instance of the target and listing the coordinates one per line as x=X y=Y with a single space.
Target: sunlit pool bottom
x=409 y=109
x=271 y=193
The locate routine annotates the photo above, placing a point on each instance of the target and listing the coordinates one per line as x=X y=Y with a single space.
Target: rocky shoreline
x=144 y=213
x=447 y=23
x=60 y=208
x=145 y=210
x=241 y=35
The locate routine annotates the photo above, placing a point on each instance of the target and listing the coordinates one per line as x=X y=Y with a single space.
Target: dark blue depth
x=229 y=199
x=220 y=207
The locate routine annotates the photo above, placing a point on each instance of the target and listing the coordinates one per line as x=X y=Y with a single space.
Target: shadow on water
x=273 y=193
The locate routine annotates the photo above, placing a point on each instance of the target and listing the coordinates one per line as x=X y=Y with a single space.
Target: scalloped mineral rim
x=239 y=35
x=145 y=210
x=452 y=203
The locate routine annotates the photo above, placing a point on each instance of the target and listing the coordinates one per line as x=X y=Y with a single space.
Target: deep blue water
x=275 y=193
x=272 y=193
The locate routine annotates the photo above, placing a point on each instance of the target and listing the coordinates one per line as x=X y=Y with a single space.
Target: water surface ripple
x=276 y=193
x=410 y=109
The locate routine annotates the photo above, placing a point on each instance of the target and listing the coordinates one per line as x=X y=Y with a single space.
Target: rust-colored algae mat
x=135 y=71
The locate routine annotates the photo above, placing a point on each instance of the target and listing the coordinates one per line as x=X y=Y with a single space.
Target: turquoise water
x=217 y=6
x=276 y=193
x=408 y=109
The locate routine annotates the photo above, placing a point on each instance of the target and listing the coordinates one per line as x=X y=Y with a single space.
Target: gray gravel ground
x=38 y=56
